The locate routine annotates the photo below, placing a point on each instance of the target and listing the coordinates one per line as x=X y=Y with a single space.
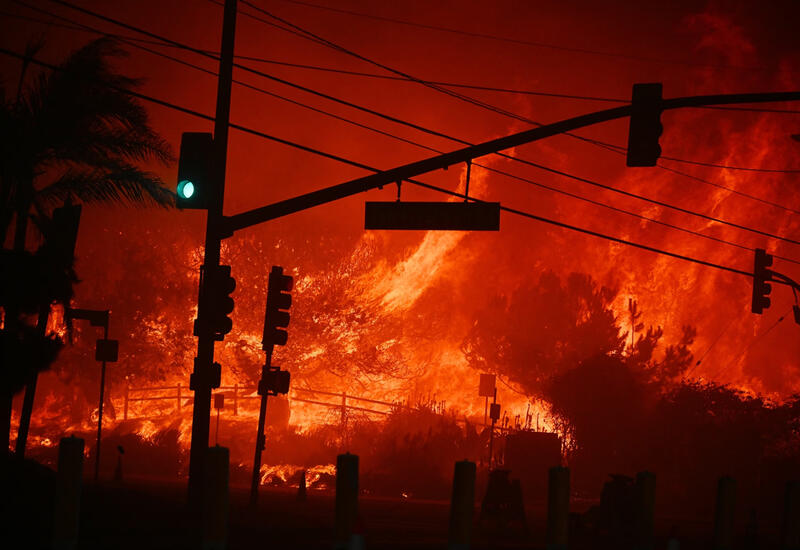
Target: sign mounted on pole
x=486 y=386
x=106 y=350
x=443 y=216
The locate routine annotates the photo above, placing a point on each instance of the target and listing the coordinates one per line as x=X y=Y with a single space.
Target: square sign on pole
x=219 y=401
x=106 y=350
x=486 y=386
x=433 y=216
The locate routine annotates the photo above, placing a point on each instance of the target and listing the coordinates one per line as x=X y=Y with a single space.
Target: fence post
x=68 y=493
x=462 y=505
x=558 y=508
x=180 y=405
x=343 y=421
x=236 y=399
x=790 y=532
x=724 y=514
x=125 y=408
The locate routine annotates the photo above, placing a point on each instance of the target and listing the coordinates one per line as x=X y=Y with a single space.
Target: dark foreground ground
x=150 y=515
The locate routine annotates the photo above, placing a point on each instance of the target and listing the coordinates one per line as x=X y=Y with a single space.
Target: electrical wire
x=413 y=181
x=516 y=41
x=478 y=103
x=389 y=117
x=731 y=190
x=479 y=87
x=729 y=167
x=714 y=343
x=80 y=26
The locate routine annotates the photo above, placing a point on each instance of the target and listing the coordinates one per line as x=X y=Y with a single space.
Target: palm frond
x=85 y=103
x=121 y=183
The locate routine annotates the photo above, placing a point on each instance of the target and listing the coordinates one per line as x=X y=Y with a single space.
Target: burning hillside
x=390 y=332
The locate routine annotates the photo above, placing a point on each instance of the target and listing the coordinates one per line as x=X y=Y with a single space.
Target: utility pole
x=203 y=375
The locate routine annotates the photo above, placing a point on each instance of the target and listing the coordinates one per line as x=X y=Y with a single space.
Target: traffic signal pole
x=273 y=380
x=203 y=365
x=261 y=438
x=378 y=179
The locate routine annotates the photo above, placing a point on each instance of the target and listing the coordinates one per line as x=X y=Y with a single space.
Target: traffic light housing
x=274 y=381
x=218 y=287
x=211 y=377
x=276 y=318
x=194 y=170
x=761 y=276
x=645 y=125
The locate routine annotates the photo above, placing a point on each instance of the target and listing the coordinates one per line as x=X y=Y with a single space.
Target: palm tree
x=75 y=133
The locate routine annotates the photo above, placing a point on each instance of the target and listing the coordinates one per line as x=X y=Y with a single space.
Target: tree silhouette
x=73 y=133
x=624 y=403
x=545 y=327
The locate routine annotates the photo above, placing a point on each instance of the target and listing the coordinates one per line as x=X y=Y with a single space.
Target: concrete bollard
x=790 y=530
x=462 y=505
x=215 y=499
x=557 y=508
x=69 y=479
x=301 y=488
x=644 y=510
x=346 y=498
x=724 y=514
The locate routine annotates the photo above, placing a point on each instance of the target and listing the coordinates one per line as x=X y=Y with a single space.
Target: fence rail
x=182 y=398
x=238 y=393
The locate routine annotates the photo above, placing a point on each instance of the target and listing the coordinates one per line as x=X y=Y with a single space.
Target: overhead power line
x=728 y=167
x=311 y=36
x=81 y=27
x=416 y=126
x=130 y=39
x=413 y=181
x=518 y=41
x=330 y=69
x=468 y=99
x=305 y=66
x=560 y=172
x=730 y=190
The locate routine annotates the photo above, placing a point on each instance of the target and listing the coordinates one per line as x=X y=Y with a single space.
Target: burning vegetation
x=395 y=381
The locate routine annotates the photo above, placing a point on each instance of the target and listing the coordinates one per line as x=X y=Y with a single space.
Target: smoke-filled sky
x=586 y=49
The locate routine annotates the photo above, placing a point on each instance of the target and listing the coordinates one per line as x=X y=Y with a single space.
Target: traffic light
x=194 y=170
x=218 y=286
x=211 y=377
x=274 y=381
x=645 y=126
x=276 y=317
x=761 y=288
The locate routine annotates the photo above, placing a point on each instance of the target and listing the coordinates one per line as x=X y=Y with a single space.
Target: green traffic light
x=186 y=189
